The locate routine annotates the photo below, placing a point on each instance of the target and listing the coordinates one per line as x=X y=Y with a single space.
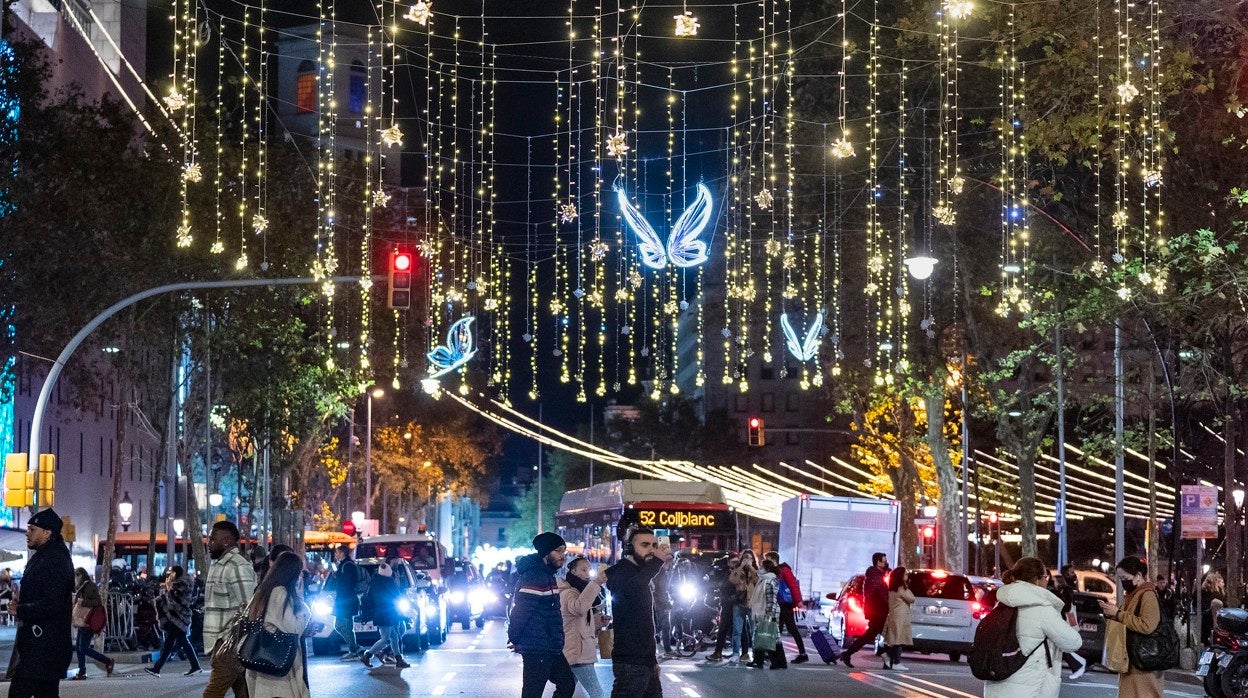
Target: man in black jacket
x=632 y=660
x=874 y=604
x=535 y=628
x=41 y=652
x=346 y=601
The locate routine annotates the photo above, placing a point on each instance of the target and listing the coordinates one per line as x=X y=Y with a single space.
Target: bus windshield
x=421 y=554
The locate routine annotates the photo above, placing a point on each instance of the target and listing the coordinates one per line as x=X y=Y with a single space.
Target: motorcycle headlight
x=322 y=608
x=404 y=606
x=457 y=597
x=688 y=592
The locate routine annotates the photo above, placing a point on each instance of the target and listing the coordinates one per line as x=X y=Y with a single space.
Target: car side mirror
x=831 y=595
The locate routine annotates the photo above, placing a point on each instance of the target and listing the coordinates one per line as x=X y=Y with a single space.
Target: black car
x=1091 y=625
x=466 y=594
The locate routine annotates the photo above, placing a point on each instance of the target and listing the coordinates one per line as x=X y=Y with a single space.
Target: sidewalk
x=127 y=662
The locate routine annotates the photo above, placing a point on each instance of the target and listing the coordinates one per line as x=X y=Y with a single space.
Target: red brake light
x=978 y=611
x=939 y=574
x=852 y=602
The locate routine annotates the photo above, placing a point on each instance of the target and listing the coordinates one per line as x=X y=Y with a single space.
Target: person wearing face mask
x=1043 y=635
x=633 y=664
x=1140 y=613
x=535 y=630
x=581 y=623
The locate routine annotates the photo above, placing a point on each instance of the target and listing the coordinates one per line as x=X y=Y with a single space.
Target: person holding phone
x=633 y=661
x=1140 y=613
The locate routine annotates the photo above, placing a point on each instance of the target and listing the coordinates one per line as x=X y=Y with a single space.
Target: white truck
x=828 y=540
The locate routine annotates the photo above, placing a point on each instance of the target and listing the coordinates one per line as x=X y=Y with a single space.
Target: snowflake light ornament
x=598 y=250
x=567 y=213
x=184 y=237
x=241 y=263
x=773 y=247
x=617 y=144
x=380 y=198
x=1121 y=218
x=174 y=100
x=1127 y=92
x=686 y=25
x=259 y=223
x=764 y=199
x=217 y=247
x=1152 y=178
x=842 y=149
x=622 y=294
x=193 y=173
x=959 y=9
x=945 y=214
x=634 y=279
x=425 y=248
x=420 y=13
x=957 y=184
x=392 y=136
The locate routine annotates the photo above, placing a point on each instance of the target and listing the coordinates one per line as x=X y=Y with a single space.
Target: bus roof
x=617 y=493
x=140 y=538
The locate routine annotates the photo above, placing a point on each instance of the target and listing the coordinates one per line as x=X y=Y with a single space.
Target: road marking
x=690 y=692
x=944 y=688
x=448 y=677
x=469 y=665
x=438 y=690
x=673 y=677
x=908 y=690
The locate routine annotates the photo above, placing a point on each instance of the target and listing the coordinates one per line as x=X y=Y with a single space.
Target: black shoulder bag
x=271 y=653
x=1155 y=651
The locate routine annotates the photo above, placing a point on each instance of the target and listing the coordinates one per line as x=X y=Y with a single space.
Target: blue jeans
x=587 y=676
x=742 y=624
x=83 y=645
x=388 y=635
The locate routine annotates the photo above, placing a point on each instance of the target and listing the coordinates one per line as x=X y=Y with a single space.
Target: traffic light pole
x=45 y=393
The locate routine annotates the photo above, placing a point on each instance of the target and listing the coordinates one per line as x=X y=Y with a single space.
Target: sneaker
x=387 y=658
x=109 y=667
x=151 y=671
x=193 y=672
x=366 y=659
x=79 y=677
x=845 y=660
x=400 y=662
x=1083 y=667
x=670 y=655
x=801 y=659
x=350 y=657
x=900 y=667
x=715 y=657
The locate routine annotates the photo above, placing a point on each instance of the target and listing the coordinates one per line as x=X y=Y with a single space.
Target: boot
x=366 y=659
x=400 y=662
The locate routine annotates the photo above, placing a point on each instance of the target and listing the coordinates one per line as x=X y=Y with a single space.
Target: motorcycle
x=1223 y=667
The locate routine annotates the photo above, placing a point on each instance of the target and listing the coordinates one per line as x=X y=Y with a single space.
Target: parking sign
x=1199 y=509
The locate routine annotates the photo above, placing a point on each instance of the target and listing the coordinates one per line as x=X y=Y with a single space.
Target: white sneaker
x=900 y=667
x=731 y=659
x=1083 y=667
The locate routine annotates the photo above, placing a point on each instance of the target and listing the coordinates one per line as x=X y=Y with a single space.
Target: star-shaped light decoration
x=425 y=248
x=259 y=224
x=617 y=144
x=622 y=294
x=945 y=214
x=327 y=288
x=174 y=100
x=764 y=199
x=184 y=237
x=392 y=136
x=875 y=264
x=959 y=9
x=1098 y=268
x=686 y=25
x=380 y=198
x=1152 y=178
x=491 y=304
x=217 y=247
x=567 y=213
x=1127 y=92
x=634 y=279
x=957 y=184
x=366 y=283
x=598 y=250
x=420 y=13
x=193 y=173
x=1121 y=218
x=556 y=307
x=241 y=262
x=671 y=308
x=773 y=247
x=842 y=148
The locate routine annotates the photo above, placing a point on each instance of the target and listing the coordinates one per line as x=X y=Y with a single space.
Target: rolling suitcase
x=827 y=646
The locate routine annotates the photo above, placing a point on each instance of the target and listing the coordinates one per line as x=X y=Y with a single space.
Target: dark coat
x=382 y=601
x=632 y=609
x=536 y=625
x=346 y=603
x=875 y=594
x=174 y=604
x=46 y=603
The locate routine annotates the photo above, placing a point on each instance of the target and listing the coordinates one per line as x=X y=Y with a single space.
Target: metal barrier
x=119 y=633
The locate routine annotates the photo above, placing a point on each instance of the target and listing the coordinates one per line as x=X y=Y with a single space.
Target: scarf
x=579 y=584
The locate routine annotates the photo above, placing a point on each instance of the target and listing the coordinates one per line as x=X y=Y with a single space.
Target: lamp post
x=179 y=525
x=373 y=392
x=214 y=501
x=125 y=508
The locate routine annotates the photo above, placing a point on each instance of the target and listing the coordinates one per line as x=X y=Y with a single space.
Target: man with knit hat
x=41 y=652
x=535 y=630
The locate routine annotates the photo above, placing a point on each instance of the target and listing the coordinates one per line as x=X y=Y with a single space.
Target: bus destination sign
x=678 y=518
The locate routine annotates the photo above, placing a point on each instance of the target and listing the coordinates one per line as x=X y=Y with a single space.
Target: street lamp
x=1238 y=496
x=125 y=508
x=179 y=525
x=215 y=499
x=373 y=392
x=921 y=267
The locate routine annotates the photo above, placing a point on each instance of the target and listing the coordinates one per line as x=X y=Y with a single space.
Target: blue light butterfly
x=683 y=247
x=802 y=350
x=457 y=351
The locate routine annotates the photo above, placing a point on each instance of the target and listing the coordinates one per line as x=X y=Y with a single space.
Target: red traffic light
x=348 y=527
x=754 y=422
x=929 y=532
x=402 y=268
x=992 y=518
x=402 y=261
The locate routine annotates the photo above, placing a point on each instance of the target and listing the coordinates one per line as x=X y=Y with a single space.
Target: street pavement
x=477 y=663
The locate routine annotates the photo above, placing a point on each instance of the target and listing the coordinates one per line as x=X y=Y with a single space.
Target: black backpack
x=996 y=656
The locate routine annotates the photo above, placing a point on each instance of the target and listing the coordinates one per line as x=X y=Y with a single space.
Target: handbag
x=606 y=643
x=79 y=619
x=1155 y=651
x=766 y=634
x=267 y=652
x=96 y=620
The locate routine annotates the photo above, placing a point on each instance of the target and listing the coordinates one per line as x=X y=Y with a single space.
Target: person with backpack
x=1018 y=646
x=874 y=605
x=348 y=584
x=897 y=632
x=381 y=604
x=1140 y=614
x=790 y=597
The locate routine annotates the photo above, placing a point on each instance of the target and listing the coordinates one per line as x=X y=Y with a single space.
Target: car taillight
x=853 y=604
x=978 y=611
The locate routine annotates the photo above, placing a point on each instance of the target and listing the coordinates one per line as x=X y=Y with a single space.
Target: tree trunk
x=1027 y=500
x=905 y=485
x=953 y=550
x=1231 y=511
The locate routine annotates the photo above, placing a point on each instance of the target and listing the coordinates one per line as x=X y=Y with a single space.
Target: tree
x=554 y=485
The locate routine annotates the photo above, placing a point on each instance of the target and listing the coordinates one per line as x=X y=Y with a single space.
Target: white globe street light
x=179 y=526
x=125 y=508
x=215 y=499
x=1238 y=496
x=921 y=266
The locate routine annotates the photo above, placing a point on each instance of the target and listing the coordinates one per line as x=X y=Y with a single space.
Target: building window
x=357 y=94
x=741 y=403
x=768 y=372
x=769 y=402
x=305 y=88
x=792 y=402
x=791 y=438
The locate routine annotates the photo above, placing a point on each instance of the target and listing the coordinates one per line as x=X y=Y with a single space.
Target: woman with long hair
x=582 y=620
x=1043 y=635
x=897 y=633
x=744 y=578
x=279 y=602
x=86 y=597
x=1212 y=599
x=1140 y=613
x=174 y=607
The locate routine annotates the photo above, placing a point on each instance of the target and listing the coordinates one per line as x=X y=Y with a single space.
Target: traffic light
x=19 y=485
x=994 y=527
x=402 y=265
x=757 y=437
x=47 y=480
x=929 y=532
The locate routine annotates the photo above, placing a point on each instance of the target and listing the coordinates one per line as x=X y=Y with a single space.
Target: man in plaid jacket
x=231 y=581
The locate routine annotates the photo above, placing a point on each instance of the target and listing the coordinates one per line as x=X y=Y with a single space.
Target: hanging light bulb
x=921 y=267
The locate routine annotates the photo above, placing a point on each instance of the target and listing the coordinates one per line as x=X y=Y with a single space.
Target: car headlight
x=429 y=610
x=404 y=606
x=478 y=597
x=322 y=608
x=457 y=597
x=688 y=592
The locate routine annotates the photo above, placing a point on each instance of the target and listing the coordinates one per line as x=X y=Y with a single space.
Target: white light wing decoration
x=802 y=350
x=457 y=351
x=683 y=249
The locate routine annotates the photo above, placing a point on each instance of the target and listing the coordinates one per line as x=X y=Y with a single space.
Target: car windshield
x=939 y=585
x=421 y=554
x=371 y=569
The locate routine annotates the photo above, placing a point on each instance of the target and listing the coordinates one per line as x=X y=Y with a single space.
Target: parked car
x=1092 y=581
x=1091 y=625
x=846 y=619
x=420 y=603
x=466 y=594
x=946 y=611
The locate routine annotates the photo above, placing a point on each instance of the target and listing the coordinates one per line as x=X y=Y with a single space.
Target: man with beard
x=535 y=631
x=231 y=581
x=633 y=663
x=43 y=608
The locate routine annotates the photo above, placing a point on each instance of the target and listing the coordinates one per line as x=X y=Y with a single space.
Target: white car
x=1094 y=582
x=946 y=612
x=425 y=608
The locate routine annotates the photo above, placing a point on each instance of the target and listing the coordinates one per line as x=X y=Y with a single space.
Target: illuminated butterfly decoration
x=807 y=349
x=683 y=248
x=457 y=351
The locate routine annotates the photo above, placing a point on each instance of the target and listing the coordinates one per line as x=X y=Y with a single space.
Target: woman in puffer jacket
x=174 y=606
x=1039 y=622
x=581 y=623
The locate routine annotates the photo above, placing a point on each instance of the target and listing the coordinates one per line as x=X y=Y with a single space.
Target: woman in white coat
x=581 y=623
x=1039 y=621
x=279 y=601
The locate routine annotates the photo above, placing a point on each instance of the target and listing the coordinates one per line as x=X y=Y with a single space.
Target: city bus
x=131 y=546
x=692 y=516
